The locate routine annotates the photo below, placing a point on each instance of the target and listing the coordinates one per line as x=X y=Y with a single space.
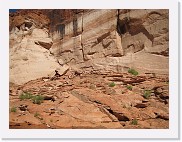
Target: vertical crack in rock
x=82 y=49
x=118 y=24
x=75 y=24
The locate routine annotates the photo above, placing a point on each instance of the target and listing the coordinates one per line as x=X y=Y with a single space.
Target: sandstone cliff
x=115 y=40
x=93 y=40
x=30 y=42
x=89 y=69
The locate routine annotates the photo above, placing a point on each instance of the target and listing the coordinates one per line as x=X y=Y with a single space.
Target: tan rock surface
x=30 y=58
x=140 y=38
x=81 y=106
x=69 y=69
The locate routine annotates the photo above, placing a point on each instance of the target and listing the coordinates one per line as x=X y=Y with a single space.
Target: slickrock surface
x=76 y=62
x=88 y=101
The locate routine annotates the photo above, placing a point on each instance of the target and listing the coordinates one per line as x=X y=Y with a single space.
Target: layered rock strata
x=115 y=40
x=91 y=40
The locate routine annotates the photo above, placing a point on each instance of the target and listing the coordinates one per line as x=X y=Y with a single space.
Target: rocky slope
x=77 y=62
x=92 y=101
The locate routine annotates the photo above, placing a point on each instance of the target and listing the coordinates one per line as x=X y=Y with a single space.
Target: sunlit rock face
x=30 y=42
x=114 y=40
x=89 y=40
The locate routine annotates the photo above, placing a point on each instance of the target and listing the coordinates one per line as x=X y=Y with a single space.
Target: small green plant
x=25 y=95
x=13 y=109
x=36 y=114
x=112 y=84
x=133 y=71
x=37 y=99
x=129 y=87
x=147 y=94
x=134 y=122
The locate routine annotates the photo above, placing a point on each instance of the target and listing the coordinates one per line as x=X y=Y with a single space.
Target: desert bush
x=133 y=72
x=129 y=87
x=112 y=84
x=25 y=95
x=13 y=109
x=38 y=99
x=147 y=94
x=134 y=122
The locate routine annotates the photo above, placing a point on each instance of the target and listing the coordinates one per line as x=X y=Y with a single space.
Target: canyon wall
x=29 y=44
x=115 y=40
x=42 y=41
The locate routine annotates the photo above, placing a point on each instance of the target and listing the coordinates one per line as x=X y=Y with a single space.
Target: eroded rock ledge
x=42 y=41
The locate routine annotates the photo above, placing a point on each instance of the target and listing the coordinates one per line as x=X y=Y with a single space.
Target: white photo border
x=171 y=133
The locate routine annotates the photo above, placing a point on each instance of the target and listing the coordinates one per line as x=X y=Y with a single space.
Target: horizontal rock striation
x=115 y=40
x=95 y=40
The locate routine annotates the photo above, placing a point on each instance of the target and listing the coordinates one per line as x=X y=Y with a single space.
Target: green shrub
x=25 y=95
x=147 y=94
x=133 y=71
x=112 y=84
x=134 y=122
x=37 y=99
x=129 y=87
x=13 y=109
